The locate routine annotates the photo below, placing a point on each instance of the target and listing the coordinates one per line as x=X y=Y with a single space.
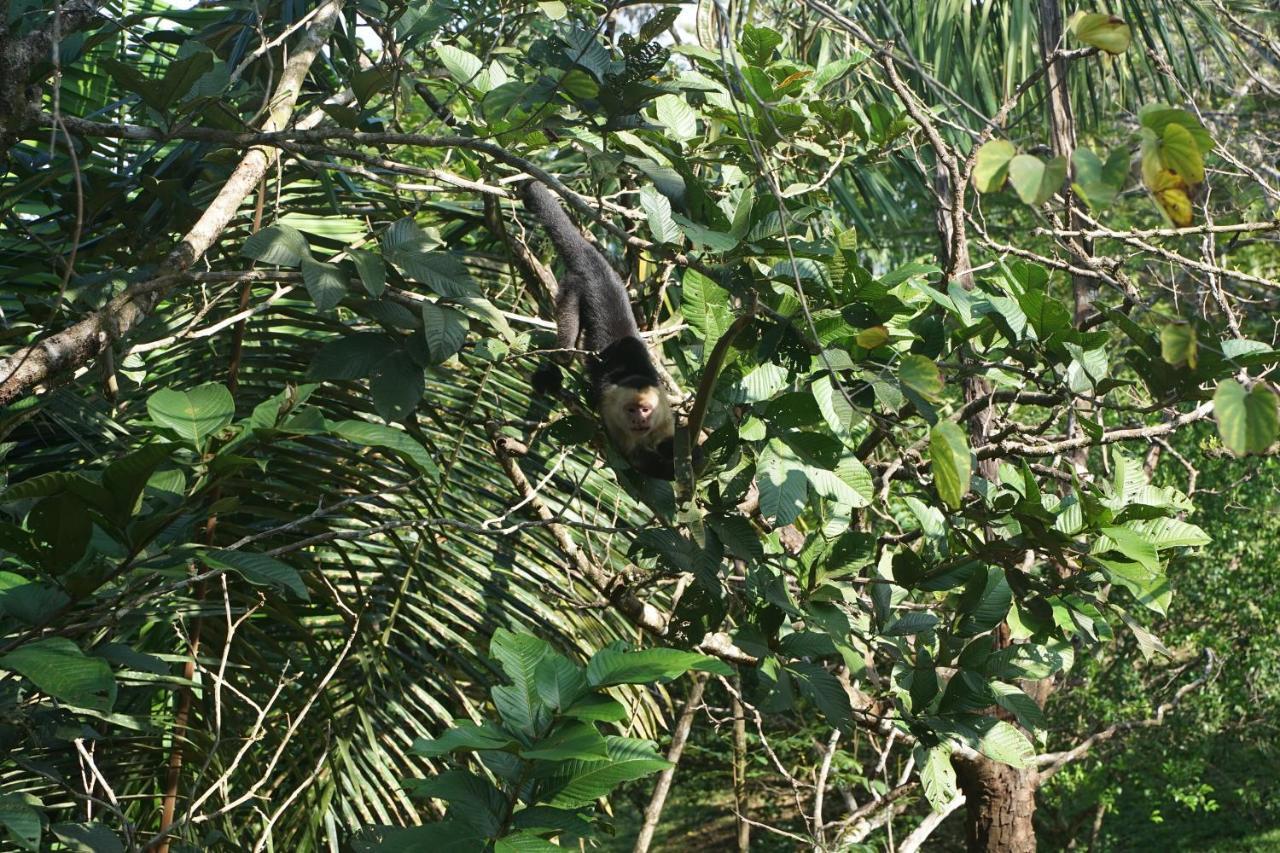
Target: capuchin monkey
x=593 y=303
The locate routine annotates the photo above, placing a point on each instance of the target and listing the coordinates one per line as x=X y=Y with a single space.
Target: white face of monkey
x=635 y=416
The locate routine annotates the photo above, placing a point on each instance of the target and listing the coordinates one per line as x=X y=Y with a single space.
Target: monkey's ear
x=547 y=379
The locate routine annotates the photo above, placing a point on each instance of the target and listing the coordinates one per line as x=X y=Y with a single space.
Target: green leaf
x=463 y=67
x=1022 y=706
x=21 y=821
x=352 y=356
x=325 y=282
x=472 y=799
x=825 y=691
x=342 y=229
x=587 y=781
x=1178 y=344
x=783 y=483
x=610 y=666
x=559 y=682
x=195 y=414
x=1100 y=30
x=1003 y=742
x=126 y=477
x=445 y=328
x=1132 y=544
x=258 y=569
x=921 y=375
x=595 y=706
x=937 y=776
x=519 y=703
x=553 y=9
x=914 y=622
x=1098 y=183
x=758 y=44
x=571 y=741
x=396 y=386
x=465 y=736
x=1180 y=154
x=61 y=523
x=658 y=211
x=952 y=469
x=992 y=165
x=87 y=838
x=1247 y=420
x=985 y=602
x=58 y=667
x=371 y=269
x=704 y=306
x=1035 y=180
x=363 y=432
x=277 y=244
x=675 y=114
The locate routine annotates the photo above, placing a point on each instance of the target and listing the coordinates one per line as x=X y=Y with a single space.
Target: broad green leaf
x=992 y=165
x=1132 y=544
x=396 y=386
x=445 y=328
x=559 y=682
x=824 y=690
x=872 y=337
x=952 y=469
x=195 y=414
x=325 y=282
x=1100 y=30
x=1178 y=344
x=21 y=821
x=704 y=306
x=571 y=741
x=87 y=838
x=519 y=703
x=343 y=229
x=758 y=44
x=257 y=569
x=277 y=244
x=609 y=666
x=61 y=522
x=921 y=375
x=1022 y=706
x=553 y=9
x=783 y=483
x=467 y=736
x=675 y=114
x=596 y=706
x=914 y=622
x=352 y=356
x=525 y=842
x=587 y=781
x=372 y=271
x=126 y=477
x=472 y=799
x=1180 y=154
x=1004 y=743
x=1247 y=420
x=463 y=66
x=57 y=667
x=937 y=776
x=378 y=435
x=658 y=211
x=1036 y=180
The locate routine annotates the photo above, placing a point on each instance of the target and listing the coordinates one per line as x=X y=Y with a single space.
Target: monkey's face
x=636 y=416
x=641 y=410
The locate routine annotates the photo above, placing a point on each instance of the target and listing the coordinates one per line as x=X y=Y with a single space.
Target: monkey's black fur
x=593 y=302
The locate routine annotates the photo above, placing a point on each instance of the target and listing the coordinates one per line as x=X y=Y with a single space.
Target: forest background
x=973 y=306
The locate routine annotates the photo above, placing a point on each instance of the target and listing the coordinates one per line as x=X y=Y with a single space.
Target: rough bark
x=20 y=56
x=999 y=804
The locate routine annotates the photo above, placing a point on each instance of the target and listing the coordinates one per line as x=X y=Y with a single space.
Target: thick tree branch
x=76 y=345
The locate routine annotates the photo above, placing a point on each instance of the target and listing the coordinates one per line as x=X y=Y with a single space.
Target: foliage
x=300 y=482
x=547 y=758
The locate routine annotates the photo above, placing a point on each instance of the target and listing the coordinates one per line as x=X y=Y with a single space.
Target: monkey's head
x=636 y=416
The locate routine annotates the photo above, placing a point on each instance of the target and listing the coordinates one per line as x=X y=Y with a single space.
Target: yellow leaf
x=1100 y=30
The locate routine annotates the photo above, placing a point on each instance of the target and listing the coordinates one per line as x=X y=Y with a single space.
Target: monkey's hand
x=547 y=379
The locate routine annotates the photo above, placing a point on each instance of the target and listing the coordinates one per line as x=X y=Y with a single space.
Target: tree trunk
x=999 y=803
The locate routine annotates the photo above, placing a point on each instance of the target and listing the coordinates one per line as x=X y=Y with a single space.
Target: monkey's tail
x=564 y=234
